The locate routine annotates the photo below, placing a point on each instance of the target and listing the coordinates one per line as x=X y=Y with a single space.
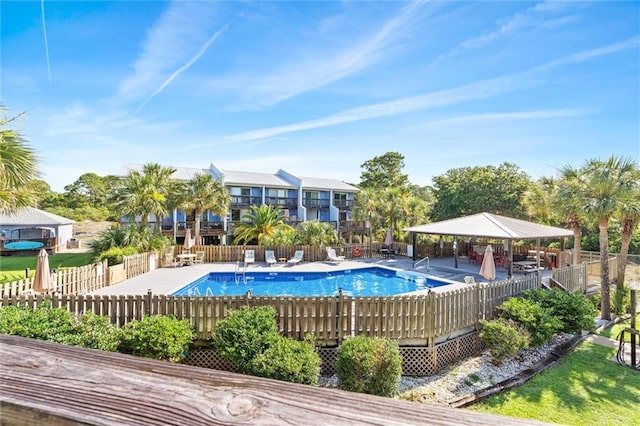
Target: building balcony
x=287 y=203
x=315 y=203
x=343 y=204
x=245 y=201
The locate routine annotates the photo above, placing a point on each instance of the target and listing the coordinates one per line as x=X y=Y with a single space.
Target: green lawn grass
x=12 y=268
x=585 y=388
x=612 y=332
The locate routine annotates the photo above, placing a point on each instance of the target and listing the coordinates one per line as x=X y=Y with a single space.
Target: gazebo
x=488 y=225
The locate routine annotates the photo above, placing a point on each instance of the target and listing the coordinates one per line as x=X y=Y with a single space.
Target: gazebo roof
x=490 y=225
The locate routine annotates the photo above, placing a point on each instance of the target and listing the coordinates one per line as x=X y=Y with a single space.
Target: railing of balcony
x=245 y=200
x=315 y=202
x=343 y=203
x=286 y=202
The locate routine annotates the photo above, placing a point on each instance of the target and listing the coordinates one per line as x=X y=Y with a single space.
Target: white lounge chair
x=199 y=257
x=270 y=257
x=170 y=261
x=249 y=257
x=297 y=257
x=331 y=255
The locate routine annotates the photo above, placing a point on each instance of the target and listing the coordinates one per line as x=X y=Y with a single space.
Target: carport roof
x=490 y=225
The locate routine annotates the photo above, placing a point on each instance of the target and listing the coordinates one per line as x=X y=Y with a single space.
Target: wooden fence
x=412 y=320
x=88 y=278
x=583 y=276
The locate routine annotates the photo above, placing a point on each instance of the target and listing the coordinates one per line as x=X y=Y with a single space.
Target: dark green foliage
x=503 y=338
x=157 y=337
x=575 y=311
x=290 y=360
x=249 y=338
x=537 y=320
x=369 y=365
x=621 y=300
x=96 y=332
x=59 y=325
x=244 y=334
x=114 y=255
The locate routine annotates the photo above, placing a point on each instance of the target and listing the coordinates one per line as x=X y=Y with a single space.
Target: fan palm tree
x=259 y=224
x=143 y=194
x=605 y=185
x=205 y=193
x=568 y=201
x=538 y=200
x=17 y=168
x=630 y=218
x=316 y=234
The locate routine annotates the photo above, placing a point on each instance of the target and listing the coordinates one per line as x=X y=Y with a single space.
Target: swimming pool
x=374 y=281
x=24 y=245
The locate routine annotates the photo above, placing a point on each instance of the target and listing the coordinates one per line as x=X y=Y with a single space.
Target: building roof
x=324 y=183
x=33 y=217
x=232 y=177
x=491 y=226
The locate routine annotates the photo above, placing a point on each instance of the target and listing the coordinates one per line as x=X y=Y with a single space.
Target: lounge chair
x=199 y=257
x=297 y=257
x=331 y=255
x=170 y=260
x=249 y=257
x=270 y=257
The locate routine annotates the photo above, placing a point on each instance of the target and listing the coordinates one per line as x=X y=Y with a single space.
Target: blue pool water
x=372 y=281
x=24 y=245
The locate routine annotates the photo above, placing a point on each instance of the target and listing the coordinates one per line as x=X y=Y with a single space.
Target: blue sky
x=318 y=88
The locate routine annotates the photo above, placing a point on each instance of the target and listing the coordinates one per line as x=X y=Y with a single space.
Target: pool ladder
x=420 y=261
x=240 y=272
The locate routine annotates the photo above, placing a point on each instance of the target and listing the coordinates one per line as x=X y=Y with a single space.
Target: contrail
x=46 y=43
x=191 y=61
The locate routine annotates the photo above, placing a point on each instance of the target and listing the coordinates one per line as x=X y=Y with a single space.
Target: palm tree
x=316 y=234
x=17 y=168
x=568 y=201
x=630 y=218
x=205 y=193
x=606 y=184
x=538 y=200
x=145 y=193
x=259 y=224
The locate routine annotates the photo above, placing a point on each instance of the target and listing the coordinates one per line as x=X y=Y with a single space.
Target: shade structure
x=388 y=239
x=42 y=279
x=490 y=225
x=188 y=242
x=488 y=268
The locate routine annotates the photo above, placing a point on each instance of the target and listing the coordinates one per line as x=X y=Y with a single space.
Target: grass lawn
x=585 y=388
x=613 y=331
x=12 y=268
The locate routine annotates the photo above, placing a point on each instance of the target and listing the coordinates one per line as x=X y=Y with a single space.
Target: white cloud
x=325 y=67
x=177 y=40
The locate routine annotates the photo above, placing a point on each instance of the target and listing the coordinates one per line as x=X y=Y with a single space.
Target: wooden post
x=147 y=307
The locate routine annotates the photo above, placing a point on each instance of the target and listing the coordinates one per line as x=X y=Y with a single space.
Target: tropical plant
x=602 y=188
x=144 y=193
x=205 y=193
x=157 y=337
x=140 y=237
x=259 y=224
x=384 y=171
x=316 y=234
x=17 y=167
x=567 y=200
x=630 y=218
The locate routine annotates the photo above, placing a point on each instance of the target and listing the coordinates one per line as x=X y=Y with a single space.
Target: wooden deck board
x=49 y=383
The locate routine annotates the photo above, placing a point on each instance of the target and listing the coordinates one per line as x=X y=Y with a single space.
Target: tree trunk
x=196 y=226
x=603 y=224
x=577 y=243
x=625 y=240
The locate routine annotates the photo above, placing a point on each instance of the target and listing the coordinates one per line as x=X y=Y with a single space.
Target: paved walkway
x=613 y=343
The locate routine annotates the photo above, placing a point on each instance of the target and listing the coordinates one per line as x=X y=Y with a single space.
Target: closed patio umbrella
x=188 y=242
x=42 y=279
x=488 y=268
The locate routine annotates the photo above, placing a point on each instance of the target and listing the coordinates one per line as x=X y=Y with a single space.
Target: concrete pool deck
x=169 y=280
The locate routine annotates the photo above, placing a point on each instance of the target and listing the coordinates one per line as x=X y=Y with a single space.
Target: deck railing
x=423 y=319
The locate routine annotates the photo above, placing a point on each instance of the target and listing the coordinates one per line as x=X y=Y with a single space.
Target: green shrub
x=44 y=322
x=537 y=320
x=157 y=337
x=244 y=334
x=503 y=338
x=369 y=365
x=290 y=360
x=621 y=300
x=114 y=255
x=574 y=310
x=96 y=332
